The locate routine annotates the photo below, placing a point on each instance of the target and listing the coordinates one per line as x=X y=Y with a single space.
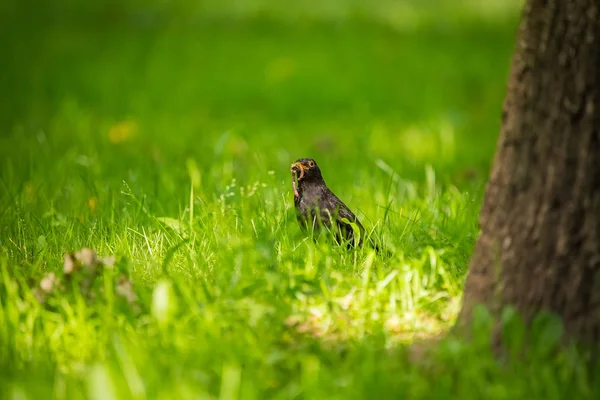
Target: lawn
x=161 y=138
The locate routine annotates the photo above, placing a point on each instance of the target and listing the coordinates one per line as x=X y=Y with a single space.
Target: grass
x=168 y=146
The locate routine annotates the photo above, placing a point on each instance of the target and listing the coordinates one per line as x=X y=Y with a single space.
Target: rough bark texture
x=539 y=247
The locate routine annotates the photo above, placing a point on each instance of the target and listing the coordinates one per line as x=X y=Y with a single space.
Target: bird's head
x=306 y=169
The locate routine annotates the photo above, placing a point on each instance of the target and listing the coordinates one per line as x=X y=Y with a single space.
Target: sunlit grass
x=225 y=278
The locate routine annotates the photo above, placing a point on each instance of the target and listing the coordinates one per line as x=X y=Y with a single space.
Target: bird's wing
x=343 y=213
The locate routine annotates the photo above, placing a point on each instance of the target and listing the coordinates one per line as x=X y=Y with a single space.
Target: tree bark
x=539 y=247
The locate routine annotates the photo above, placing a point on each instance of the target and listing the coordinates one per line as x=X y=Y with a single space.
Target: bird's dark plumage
x=317 y=206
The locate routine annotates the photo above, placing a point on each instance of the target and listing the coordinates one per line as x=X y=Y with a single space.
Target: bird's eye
x=311 y=163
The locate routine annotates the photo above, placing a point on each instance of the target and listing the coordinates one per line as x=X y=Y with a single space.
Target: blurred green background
x=259 y=83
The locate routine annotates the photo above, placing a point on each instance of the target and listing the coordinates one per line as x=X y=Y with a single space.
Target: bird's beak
x=298 y=167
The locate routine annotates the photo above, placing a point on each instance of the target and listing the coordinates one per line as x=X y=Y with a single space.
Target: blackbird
x=318 y=206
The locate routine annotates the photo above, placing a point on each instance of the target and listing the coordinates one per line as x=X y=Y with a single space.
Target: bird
x=317 y=206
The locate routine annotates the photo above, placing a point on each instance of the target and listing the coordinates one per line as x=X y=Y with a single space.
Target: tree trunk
x=539 y=247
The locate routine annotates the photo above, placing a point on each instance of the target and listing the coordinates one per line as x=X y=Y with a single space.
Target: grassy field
x=163 y=140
